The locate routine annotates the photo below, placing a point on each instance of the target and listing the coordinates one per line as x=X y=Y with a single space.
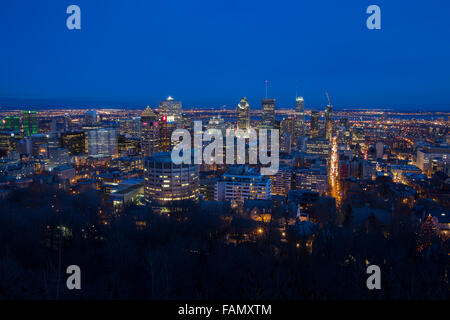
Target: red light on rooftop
x=164 y=118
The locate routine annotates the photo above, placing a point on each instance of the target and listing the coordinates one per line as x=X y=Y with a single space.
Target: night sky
x=210 y=53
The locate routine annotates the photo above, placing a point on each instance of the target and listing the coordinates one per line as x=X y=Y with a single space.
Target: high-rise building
x=166 y=181
x=315 y=129
x=130 y=127
x=102 y=142
x=328 y=122
x=171 y=109
x=170 y=120
x=11 y=124
x=150 y=133
x=299 y=118
x=288 y=125
x=320 y=147
x=314 y=179
x=285 y=142
x=282 y=181
x=241 y=183
x=74 y=142
x=29 y=123
x=8 y=142
x=243 y=113
x=91 y=118
x=432 y=158
x=268 y=114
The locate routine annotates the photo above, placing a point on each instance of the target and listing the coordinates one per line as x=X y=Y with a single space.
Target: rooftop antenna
x=296 y=93
x=267 y=81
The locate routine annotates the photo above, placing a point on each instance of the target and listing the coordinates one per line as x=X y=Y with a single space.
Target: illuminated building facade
x=299 y=117
x=75 y=142
x=241 y=183
x=320 y=147
x=29 y=123
x=150 y=133
x=328 y=122
x=130 y=127
x=288 y=125
x=313 y=179
x=166 y=182
x=315 y=128
x=172 y=110
x=268 y=114
x=102 y=142
x=11 y=124
x=282 y=181
x=243 y=113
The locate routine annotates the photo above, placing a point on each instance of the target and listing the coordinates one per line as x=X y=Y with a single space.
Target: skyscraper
x=166 y=181
x=170 y=120
x=91 y=118
x=328 y=121
x=29 y=123
x=172 y=110
x=74 y=142
x=149 y=132
x=299 y=117
x=268 y=113
x=314 y=124
x=102 y=142
x=11 y=123
x=243 y=111
x=288 y=125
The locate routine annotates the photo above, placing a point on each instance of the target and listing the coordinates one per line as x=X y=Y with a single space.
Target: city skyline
x=201 y=152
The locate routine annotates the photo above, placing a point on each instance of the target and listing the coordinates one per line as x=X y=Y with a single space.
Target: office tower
x=285 y=142
x=150 y=133
x=60 y=124
x=128 y=146
x=344 y=132
x=207 y=185
x=282 y=181
x=36 y=144
x=130 y=127
x=11 y=124
x=171 y=109
x=315 y=129
x=166 y=182
x=268 y=114
x=379 y=146
x=74 y=142
x=240 y=183
x=328 y=122
x=102 y=142
x=299 y=118
x=432 y=158
x=243 y=113
x=8 y=142
x=320 y=147
x=313 y=179
x=58 y=156
x=288 y=125
x=29 y=123
x=91 y=118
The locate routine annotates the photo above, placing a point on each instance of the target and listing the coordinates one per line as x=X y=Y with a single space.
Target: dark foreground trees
x=142 y=255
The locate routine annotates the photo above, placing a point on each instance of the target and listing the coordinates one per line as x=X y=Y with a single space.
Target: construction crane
x=328 y=97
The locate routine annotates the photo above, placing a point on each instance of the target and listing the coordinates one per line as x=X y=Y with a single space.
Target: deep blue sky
x=209 y=53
